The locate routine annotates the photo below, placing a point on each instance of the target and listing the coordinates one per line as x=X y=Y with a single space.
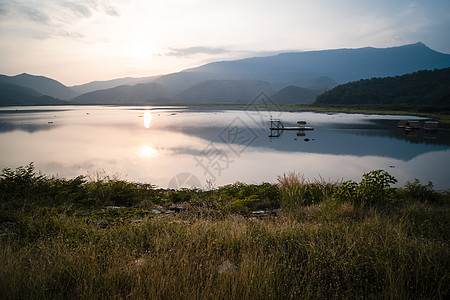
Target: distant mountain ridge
x=237 y=81
x=218 y=82
x=341 y=65
x=125 y=94
x=11 y=94
x=107 y=84
x=41 y=84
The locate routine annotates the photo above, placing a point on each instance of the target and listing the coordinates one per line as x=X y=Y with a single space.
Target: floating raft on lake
x=277 y=124
x=428 y=125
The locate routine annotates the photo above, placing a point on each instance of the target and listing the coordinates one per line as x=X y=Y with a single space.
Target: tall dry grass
x=296 y=190
x=298 y=254
x=293 y=187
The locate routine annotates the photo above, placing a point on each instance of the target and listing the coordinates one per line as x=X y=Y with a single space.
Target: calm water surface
x=180 y=146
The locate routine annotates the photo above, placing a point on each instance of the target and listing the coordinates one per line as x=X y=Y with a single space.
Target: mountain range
x=108 y=84
x=41 y=84
x=124 y=94
x=342 y=65
x=12 y=94
x=292 y=78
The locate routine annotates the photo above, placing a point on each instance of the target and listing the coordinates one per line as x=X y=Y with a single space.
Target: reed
x=296 y=191
x=293 y=187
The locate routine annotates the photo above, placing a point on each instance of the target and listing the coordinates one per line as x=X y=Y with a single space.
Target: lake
x=195 y=146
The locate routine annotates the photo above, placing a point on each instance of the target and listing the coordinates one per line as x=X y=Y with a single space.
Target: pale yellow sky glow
x=80 y=41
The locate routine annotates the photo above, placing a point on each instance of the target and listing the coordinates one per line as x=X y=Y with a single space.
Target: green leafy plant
x=21 y=181
x=373 y=189
x=420 y=192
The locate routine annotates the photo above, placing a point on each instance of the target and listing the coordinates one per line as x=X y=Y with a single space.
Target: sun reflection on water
x=147 y=118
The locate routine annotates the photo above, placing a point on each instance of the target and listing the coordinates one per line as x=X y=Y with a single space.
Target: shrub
x=182 y=195
x=373 y=189
x=420 y=192
x=20 y=182
x=239 y=197
x=66 y=190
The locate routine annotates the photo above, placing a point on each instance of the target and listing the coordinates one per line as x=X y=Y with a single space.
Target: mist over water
x=157 y=144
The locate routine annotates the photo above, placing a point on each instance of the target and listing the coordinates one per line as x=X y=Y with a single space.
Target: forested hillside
x=419 y=89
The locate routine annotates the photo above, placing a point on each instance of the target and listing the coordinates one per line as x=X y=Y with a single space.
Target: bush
x=374 y=189
x=20 y=182
x=239 y=197
x=182 y=195
x=420 y=192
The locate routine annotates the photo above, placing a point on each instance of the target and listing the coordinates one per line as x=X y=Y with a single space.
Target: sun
x=147 y=151
x=141 y=50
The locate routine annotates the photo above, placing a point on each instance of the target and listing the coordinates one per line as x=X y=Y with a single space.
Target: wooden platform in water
x=277 y=124
x=292 y=128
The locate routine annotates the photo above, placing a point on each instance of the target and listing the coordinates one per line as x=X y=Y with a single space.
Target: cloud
x=195 y=50
x=71 y=34
x=49 y=12
x=80 y=9
x=42 y=20
x=85 y=8
x=110 y=11
x=34 y=14
x=3 y=10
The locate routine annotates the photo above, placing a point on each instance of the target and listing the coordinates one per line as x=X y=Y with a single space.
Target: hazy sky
x=80 y=41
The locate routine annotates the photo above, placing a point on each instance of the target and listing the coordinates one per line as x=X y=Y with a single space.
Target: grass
x=66 y=243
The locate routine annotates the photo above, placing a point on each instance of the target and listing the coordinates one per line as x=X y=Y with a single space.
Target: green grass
x=67 y=244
